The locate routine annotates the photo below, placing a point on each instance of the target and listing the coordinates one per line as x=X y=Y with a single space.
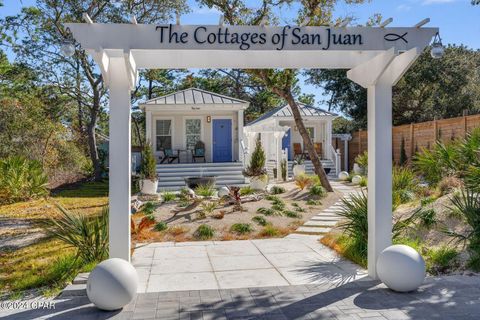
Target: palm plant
x=467 y=204
x=89 y=235
x=21 y=179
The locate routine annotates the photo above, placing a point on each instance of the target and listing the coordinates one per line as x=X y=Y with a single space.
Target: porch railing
x=335 y=155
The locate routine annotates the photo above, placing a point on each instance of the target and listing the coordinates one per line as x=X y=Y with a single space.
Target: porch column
x=119 y=158
x=379 y=172
x=240 y=135
x=148 y=128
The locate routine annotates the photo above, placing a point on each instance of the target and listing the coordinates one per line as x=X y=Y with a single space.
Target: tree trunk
x=307 y=142
x=92 y=139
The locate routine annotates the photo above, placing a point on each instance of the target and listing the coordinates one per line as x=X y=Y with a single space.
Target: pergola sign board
x=376 y=59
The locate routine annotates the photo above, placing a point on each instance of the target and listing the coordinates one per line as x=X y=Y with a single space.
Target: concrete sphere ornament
x=112 y=284
x=343 y=175
x=401 y=268
x=223 y=191
x=356 y=179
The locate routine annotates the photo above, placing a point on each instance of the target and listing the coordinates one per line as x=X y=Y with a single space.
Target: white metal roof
x=194 y=96
x=286 y=112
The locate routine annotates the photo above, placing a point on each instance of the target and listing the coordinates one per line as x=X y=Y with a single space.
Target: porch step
x=308 y=168
x=172 y=176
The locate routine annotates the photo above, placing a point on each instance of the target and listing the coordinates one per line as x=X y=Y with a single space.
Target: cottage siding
x=178 y=134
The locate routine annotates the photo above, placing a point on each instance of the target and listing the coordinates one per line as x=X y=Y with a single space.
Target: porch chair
x=318 y=149
x=297 y=151
x=199 y=151
x=169 y=155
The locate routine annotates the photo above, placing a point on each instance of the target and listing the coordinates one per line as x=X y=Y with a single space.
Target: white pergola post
x=379 y=75
x=379 y=172
x=119 y=155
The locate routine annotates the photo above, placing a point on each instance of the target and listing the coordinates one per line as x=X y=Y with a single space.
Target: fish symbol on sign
x=395 y=37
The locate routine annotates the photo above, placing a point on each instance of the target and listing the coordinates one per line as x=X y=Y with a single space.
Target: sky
x=458 y=20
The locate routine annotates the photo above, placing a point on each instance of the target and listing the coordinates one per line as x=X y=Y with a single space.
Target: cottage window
x=164 y=134
x=193 y=129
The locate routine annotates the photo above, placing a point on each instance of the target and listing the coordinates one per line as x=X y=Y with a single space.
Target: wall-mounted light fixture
x=209 y=119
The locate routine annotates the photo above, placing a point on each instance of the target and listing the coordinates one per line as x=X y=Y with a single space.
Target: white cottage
x=198 y=133
x=281 y=138
x=178 y=124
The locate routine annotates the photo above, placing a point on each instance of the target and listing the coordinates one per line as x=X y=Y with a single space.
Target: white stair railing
x=335 y=156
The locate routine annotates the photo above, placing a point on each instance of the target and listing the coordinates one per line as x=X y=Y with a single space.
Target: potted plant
x=148 y=171
x=256 y=169
x=298 y=166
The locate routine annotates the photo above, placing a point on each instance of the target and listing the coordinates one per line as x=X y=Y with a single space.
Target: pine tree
x=148 y=169
x=257 y=162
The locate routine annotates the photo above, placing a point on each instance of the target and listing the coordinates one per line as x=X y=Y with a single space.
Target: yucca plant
x=21 y=179
x=302 y=181
x=467 y=204
x=88 y=234
x=434 y=164
x=355 y=221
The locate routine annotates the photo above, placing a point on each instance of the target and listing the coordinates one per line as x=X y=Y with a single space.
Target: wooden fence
x=415 y=136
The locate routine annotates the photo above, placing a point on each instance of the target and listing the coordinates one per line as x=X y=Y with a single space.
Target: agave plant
x=88 y=234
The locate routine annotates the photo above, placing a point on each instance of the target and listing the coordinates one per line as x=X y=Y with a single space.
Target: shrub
x=297 y=207
x=260 y=220
x=272 y=198
x=404 y=185
x=437 y=163
x=467 y=204
x=362 y=160
x=318 y=190
x=257 y=162
x=428 y=218
x=204 y=232
x=292 y=214
x=269 y=231
x=148 y=168
x=440 y=260
x=313 y=202
x=302 y=181
x=21 y=179
x=427 y=200
x=277 y=190
x=208 y=207
x=89 y=235
x=449 y=184
x=205 y=190
x=266 y=211
x=241 y=228
x=148 y=208
x=168 y=196
x=247 y=190
x=283 y=168
x=363 y=182
x=177 y=230
x=161 y=226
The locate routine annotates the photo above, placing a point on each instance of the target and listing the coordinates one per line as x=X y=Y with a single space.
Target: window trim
x=172 y=130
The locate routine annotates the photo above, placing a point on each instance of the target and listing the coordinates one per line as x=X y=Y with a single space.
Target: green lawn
x=48 y=264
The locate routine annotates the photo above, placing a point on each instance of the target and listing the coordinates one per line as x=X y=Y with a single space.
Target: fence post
x=412 y=148
x=435 y=130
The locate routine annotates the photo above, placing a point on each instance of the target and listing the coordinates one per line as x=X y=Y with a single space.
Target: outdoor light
x=67 y=48
x=438 y=50
x=209 y=119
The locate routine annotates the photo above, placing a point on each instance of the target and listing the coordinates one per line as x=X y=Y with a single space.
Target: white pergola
x=376 y=59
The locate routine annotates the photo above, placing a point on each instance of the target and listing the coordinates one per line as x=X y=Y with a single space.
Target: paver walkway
x=443 y=298
x=323 y=222
x=294 y=260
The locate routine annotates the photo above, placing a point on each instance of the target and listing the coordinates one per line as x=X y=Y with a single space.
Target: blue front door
x=286 y=144
x=222 y=140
